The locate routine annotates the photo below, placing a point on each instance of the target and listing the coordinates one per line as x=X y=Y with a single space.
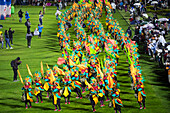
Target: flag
x=47 y=66
x=20 y=77
x=60 y=61
x=60 y=71
x=92 y=51
x=29 y=71
x=52 y=77
x=89 y=85
x=71 y=62
x=42 y=70
x=110 y=81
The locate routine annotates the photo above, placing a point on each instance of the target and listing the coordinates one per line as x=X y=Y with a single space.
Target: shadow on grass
x=127 y=106
x=84 y=109
x=10 y=105
x=1 y=78
x=160 y=76
x=43 y=108
x=10 y=98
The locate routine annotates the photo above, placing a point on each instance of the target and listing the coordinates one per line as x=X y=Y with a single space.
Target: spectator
x=27 y=15
x=29 y=37
x=40 y=27
x=20 y=14
x=2 y=40
x=129 y=31
x=14 y=65
x=136 y=30
x=44 y=8
x=40 y=18
x=125 y=7
x=7 y=40
x=57 y=13
x=10 y=32
x=114 y=7
x=27 y=24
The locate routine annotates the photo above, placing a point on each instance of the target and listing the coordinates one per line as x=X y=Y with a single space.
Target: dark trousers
x=39 y=95
x=7 y=42
x=15 y=74
x=28 y=29
x=78 y=91
x=92 y=102
x=27 y=101
x=29 y=41
x=58 y=103
x=40 y=20
x=39 y=35
x=67 y=97
x=117 y=107
x=11 y=40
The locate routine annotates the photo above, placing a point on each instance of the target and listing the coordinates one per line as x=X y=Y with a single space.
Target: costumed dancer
x=93 y=95
x=101 y=94
x=141 y=94
x=28 y=92
x=56 y=95
x=67 y=89
x=38 y=87
x=77 y=87
x=47 y=85
x=117 y=102
x=106 y=88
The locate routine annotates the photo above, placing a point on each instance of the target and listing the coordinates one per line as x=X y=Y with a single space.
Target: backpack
x=12 y=63
x=26 y=24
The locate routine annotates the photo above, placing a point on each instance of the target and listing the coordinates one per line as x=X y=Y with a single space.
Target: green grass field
x=47 y=50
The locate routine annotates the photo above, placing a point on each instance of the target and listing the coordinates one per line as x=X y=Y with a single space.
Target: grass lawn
x=47 y=50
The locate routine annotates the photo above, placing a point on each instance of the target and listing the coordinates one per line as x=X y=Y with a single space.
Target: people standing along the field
x=2 y=40
x=40 y=27
x=20 y=14
x=27 y=15
x=29 y=37
x=129 y=31
x=14 y=65
x=44 y=8
x=10 y=32
x=40 y=18
x=7 y=40
x=27 y=24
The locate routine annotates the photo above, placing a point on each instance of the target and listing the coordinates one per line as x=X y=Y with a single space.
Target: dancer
x=93 y=98
x=27 y=92
x=38 y=87
x=141 y=94
x=77 y=87
x=101 y=94
x=47 y=85
x=56 y=96
x=117 y=102
x=66 y=89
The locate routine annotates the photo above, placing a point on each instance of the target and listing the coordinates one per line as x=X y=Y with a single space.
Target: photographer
x=14 y=65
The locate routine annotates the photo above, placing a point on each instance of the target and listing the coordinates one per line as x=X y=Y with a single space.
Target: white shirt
x=162 y=40
x=113 y=5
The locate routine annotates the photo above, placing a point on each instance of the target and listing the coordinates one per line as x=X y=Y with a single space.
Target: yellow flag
x=42 y=70
x=52 y=77
x=47 y=66
x=20 y=77
x=29 y=72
